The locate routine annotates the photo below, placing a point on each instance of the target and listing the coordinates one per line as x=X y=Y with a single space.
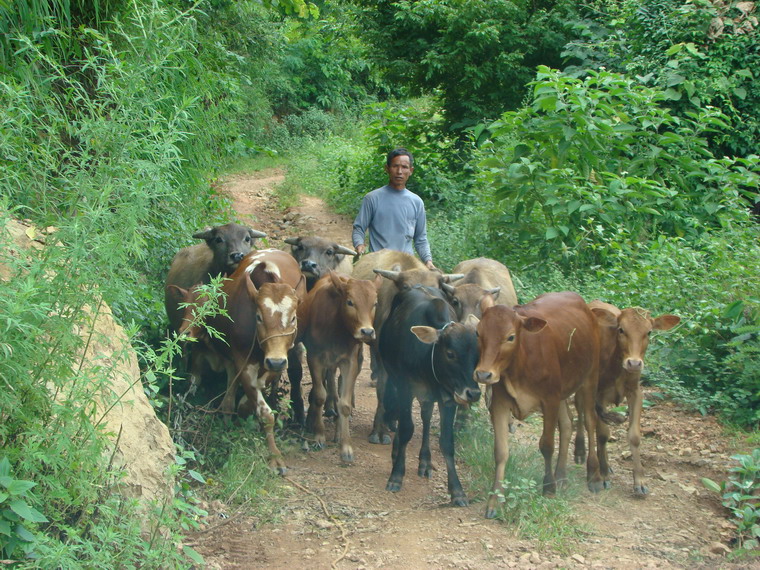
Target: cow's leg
x=635 y=399
x=227 y=406
x=400 y=441
x=579 y=454
x=448 y=412
x=602 y=437
x=500 y=415
x=565 y=432
x=295 y=376
x=546 y=443
x=593 y=475
x=253 y=385
x=425 y=468
x=349 y=370
x=331 y=403
x=379 y=432
x=314 y=421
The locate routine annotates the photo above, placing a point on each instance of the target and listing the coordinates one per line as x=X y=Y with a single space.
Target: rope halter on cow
x=432 y=352
x=271 y=336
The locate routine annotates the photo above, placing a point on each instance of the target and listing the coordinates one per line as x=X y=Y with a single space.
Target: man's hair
x=399 y=152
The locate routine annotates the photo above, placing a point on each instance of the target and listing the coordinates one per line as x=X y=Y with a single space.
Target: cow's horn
x=345 y=250
x=392 y=275
x=449 y=277
x=292 y=241
x=256 y=233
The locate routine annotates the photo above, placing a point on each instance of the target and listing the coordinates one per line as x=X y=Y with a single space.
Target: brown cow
x=261 y=299
x=401 y=271
x=535 y=356
x=224 y=248
x=624 y=341
x=482 y=276
x=334 y=321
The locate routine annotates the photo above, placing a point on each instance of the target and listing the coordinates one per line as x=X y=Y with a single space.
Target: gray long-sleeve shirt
x=395 y=220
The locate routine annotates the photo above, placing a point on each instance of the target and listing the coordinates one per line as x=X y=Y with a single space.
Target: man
x=394 y=216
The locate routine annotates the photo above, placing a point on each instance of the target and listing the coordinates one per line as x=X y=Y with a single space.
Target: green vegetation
x=594 y=148
x=522 y=504
x=739 y=496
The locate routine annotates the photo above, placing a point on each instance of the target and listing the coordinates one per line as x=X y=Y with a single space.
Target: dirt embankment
x=341 y=516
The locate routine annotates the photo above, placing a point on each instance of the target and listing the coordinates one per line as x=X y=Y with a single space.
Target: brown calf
x=624 y=341
x=334 y=321
x=535 y=356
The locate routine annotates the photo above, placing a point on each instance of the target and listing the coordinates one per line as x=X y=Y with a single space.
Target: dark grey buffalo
x=318 y=256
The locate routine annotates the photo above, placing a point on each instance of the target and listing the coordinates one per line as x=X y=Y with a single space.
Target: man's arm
x=361 y=224
x=421 y=243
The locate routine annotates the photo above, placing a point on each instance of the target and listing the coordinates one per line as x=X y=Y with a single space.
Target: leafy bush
x=562 y=173
x=740 y=497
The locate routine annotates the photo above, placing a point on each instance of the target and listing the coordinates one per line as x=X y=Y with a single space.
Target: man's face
x=399 y=171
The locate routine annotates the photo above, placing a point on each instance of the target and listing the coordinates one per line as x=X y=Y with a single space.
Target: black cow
x=428 y=356
x=317 y=256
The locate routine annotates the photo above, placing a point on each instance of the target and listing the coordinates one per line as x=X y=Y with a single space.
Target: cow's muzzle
x=467 y=396
x=366 y=334
x=275 y=364
x=485 y=377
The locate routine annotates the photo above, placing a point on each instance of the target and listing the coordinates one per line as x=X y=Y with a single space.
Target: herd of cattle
x=440 y=338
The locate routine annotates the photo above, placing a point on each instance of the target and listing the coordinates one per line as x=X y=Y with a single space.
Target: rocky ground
x=338 y=516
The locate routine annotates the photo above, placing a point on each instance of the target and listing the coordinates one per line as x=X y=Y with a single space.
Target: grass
x=550 y=521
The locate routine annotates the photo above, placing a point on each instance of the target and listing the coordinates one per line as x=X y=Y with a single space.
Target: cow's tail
x=610 y=418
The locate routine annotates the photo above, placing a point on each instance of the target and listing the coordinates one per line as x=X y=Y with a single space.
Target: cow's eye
x=405 y=287
x=219 y=240
x=330 y=252
x=649 y=333
x=455 y=302
x=259 y=318
x=511 y=338
x=247 y=239
x=350 y=303
x=621 y=331
x=451 y=354
x=293 y=320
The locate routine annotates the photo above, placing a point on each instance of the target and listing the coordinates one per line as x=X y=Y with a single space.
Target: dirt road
x=341 y=516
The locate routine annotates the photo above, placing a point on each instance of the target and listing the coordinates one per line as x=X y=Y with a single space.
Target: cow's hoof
x=459 y=501
x=641 y=490
x=512 y=427
x=347 y=456
x=374 y=438
x=607 y=484
x=385 y=439
x=393 y=486
x=330 y=413
x=425 y=470
x=610 y=470
x=319 y=445
x=490 y=513
x=595 y=486
x=579 y=459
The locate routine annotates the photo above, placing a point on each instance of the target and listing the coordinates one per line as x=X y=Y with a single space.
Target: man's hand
x=360 y=249
x=429 y=264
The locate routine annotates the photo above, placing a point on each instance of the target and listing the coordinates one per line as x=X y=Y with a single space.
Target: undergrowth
x=548 y=520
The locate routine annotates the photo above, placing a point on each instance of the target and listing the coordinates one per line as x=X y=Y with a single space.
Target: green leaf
x=741 y=93
x=23 y=533
x=711 y=485
x=672 y=94
x=193 y=555
x=26 y=512
x=5 y=527
x=551 y=233
x=18 y=487
x=197 y=476
x=674 y=49
x=734 y=310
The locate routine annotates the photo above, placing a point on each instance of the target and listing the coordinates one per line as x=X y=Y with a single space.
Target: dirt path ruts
x=341 y=516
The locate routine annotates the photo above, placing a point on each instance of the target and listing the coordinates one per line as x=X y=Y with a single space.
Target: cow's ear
x=251 y=287
x=472 y=321
x=206 y=233
x=336 y=282
x=533 y=324
x=378 y=281
x=665 y=322
x=486 y=303
x=428 y=335
x=604 y=317
x=494 y=292
x=177 y=293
